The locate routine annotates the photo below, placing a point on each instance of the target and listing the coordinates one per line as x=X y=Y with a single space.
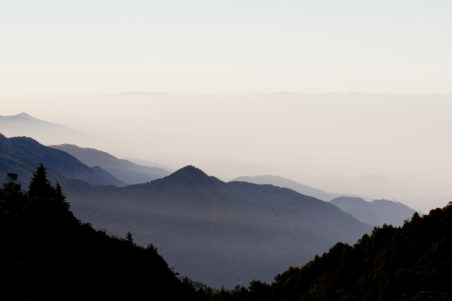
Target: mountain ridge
x=191 y=175
x=376 y=212
x=284 y=182
x=126 y=171
x=24 y=124
x=21 y=155
x=214 y=231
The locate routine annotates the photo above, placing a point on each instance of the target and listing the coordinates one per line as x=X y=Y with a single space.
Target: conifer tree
x=60 y=197
x=40 y=186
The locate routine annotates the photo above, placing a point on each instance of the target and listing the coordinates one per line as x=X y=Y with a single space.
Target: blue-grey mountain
x=21 y=155
x=283 y=182
x=46 y=132
x=124 y=170
x=375 y=213
x=215 y=232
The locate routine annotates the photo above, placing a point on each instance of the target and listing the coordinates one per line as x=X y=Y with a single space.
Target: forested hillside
x=48 y=254
x=413 y=262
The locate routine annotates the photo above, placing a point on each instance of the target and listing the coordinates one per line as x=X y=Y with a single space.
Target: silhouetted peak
x=190 y=170
x=192 y=175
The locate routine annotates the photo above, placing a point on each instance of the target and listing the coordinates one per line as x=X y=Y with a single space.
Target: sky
x=347 y=96
x=223 y=47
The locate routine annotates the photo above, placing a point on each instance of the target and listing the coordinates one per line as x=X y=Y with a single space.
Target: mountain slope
x=215 y=232
x=47 y=254
x=21 y=155
x=412 y=262
x=48 y=133
x=283 y=182
x=377 y=212
x=24 y=121
x=126 y=171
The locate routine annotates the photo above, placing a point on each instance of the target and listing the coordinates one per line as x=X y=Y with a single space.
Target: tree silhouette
x=46 y=253
x=60 y=197
x=40 y=186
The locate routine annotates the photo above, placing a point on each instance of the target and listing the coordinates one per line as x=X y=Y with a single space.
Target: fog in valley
x=372 y=145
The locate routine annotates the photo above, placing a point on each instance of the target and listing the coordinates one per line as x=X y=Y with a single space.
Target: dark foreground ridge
x=413 y=262
x=48 y=254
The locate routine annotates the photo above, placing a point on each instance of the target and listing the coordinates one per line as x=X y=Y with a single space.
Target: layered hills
x=215 y=232
x=376 y=212
x=46 y=132
x=283 y=182
x=21 y=155
x=124 y=170
x=25 y=122
x=49 y=254
x=221 y=234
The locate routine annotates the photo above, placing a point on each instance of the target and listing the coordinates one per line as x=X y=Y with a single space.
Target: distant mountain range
x=24 y=124
x=124 y=170
x=24 y=121
x=218 y=233
x=21 y=155
x=283 y=182
x=215 y=232
x=377 y=212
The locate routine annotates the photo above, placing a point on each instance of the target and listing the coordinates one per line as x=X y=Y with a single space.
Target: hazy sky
x=220 y=47
x=225 y=63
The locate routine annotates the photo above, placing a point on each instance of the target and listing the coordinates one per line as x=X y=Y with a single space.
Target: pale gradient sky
x=224 y=62
x=220 y=47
